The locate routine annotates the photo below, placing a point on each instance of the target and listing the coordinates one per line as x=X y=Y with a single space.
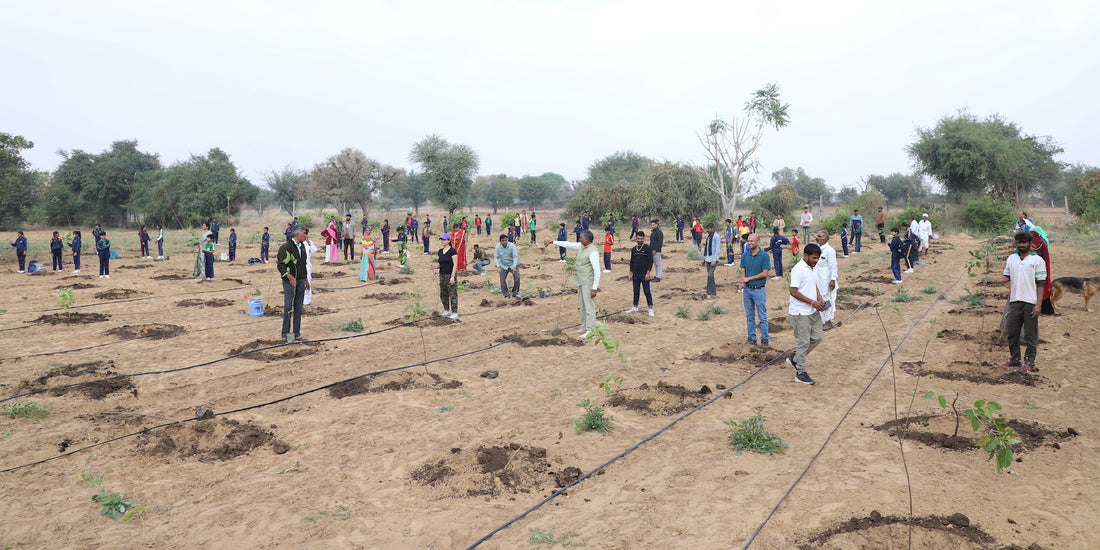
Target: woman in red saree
x=458 y=237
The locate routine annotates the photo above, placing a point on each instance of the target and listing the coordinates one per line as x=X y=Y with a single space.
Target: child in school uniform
x=20 y=244
x=208 y=257
x=896 y=253
x=232 y=244
x=56 y=246
x=608 y=240
x=143 y=238
x=75 y=246
x=160 y=242
x=844 y=237
x=103 y=248
x=265 y=245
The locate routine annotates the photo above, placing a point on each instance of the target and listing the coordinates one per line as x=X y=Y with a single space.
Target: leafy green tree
x=22 y=198
x=498 y=190
x=620 y=166
x=599 y=201
x=668 y=189
x=415 y=189
x=808 y=188
x=990 y=156
x=12 y=164
x=450 y=169
x=899 y=188
x=731 y=146
x=533 y=190
x=350 y=177
x=107 y=181
x=1084 y=196
x=846 y=194
x=780 y=199
x=289 y=185
x=265 y=199
x=1056 y=191
x=192 y=191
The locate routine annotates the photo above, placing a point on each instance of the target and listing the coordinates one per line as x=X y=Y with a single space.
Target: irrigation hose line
x=648 y=438
x=326 y=386
x=844 y=417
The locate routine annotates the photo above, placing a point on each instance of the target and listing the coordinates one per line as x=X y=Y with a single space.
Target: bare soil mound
x=878 y=531
x=280 y=350
x=209 y=440
x=662 y=400
x=542 y=340
x=937 y=430
x=392 y=381
x=216 y=302
x=309 y=311
x=119 y=294
x=971 y=371
x=72 y=318
x=492 y=471
x=93 y=377
x=171 y=277
x=75 y=286
x=386 y=296
x=153 y=331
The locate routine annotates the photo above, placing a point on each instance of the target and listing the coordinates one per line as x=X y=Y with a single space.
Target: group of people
x=907 y=244
x=74 y=242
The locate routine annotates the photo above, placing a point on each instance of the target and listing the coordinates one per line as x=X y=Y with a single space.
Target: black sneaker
x=764 y=344
x=750 y=342
x=803 y=378
x=790 y=361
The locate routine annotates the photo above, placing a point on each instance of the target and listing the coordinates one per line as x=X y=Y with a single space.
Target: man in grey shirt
x=656 y=241
x=506 y=258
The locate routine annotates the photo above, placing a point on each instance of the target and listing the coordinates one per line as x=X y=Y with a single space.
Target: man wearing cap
x=925 y=231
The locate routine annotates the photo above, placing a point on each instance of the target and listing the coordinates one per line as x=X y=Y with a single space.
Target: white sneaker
x=454 y=316
x=106 y=276
x=587 y=333
x=776 y=278
x=160 y=257
x=101 y=276
x=729 y=265
x=607 y=271
x=22 y=271
x=651 y=313
x=845 y=255
x=76 y=271
x=561 y=261
x=632 y=310
x=908 y=271
x=897 y=282
x=446 y=314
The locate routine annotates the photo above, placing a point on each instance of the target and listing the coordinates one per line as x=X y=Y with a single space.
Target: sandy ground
x=438 y=456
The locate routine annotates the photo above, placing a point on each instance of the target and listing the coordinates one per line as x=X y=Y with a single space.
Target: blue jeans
x=479 y=266
x=712 y=289
x=756 y=306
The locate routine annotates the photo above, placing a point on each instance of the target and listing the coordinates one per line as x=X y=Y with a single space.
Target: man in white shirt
x=1026 y=274
x=587 y=277
x=826 y=276
x=804 y=223
x=925 y=231
x=804 y=309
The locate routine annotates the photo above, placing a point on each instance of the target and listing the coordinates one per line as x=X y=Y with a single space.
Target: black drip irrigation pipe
x=646 y=439
x=845 y=416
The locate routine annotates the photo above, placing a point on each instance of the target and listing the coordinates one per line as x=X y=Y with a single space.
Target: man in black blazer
x=292 y=268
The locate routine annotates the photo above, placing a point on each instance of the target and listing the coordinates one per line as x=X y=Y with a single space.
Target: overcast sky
x=539 y=86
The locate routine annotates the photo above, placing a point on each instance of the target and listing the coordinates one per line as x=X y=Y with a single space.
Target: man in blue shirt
x=506 y=258
x=757 y=268
x=214 y=228
x=856 y=223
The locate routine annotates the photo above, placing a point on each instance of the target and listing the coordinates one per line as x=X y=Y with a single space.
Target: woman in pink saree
x=332 y=242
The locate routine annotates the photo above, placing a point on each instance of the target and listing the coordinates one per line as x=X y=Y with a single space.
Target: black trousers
x=1019 y=319
x=349 y=246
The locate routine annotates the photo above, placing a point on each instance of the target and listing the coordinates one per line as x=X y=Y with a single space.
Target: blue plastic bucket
x=255 y=308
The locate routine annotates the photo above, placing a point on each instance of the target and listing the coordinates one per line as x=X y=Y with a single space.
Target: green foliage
x=618 y=167
x=351 y=326
x=997 y=438
x=779 y=199
x=715 y=309
x=988 y=216
x=288 y=185
x=898 y=188
x=108 y=182
x=415 y=308
x=808 y=188
x=534 y=190
x=901 y=220
x=979 y=257
x=12 y=164
x=192 y=191
x=601 y=336
x=115 y=506
x=767 y=108
x=548 y=537
x=692 y=253
x=26 y=410
x=709 y=217
x=902 y=295
x=499 y=190
x=971 y=299
x=751 y=436
x=703 y=316
x=668 y=189
x=842 y=215
x=65 y=297
x=930 y=289
x=351 y=177
x=1084 y=196
x=593 y=419
x=305 y=220
x=506 y=221
x=450 y=169
x=683 y=312
x=599 y=201
x=990 y=156
x=611 y=382
x=406 y=270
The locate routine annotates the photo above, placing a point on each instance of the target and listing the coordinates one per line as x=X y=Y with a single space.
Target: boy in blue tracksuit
x=577 y=230
x=775 y=246
x=143 y=238
x=20 y=244
x=103 y=248
x=232 y=244
x=265 y=245
x=75 y=246
x=896 y=253
x=563 y=235
x=56 y=246
x=844 y=237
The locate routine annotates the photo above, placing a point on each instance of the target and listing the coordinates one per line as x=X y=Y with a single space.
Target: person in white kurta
x=310 y=249
x=925 y=231
x=826 y=276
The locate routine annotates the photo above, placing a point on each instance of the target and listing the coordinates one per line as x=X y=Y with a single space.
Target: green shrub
x=305 y=220
x=26 y=410
x=506 y=221
x=842 y=215
x=711 y=217
x=989 y=216
x=750 y=435
x=593 y=419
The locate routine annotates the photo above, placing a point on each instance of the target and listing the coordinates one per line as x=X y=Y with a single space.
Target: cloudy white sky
x=537 y=86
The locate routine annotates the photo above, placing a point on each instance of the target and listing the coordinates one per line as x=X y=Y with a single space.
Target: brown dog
x=1076 y=285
